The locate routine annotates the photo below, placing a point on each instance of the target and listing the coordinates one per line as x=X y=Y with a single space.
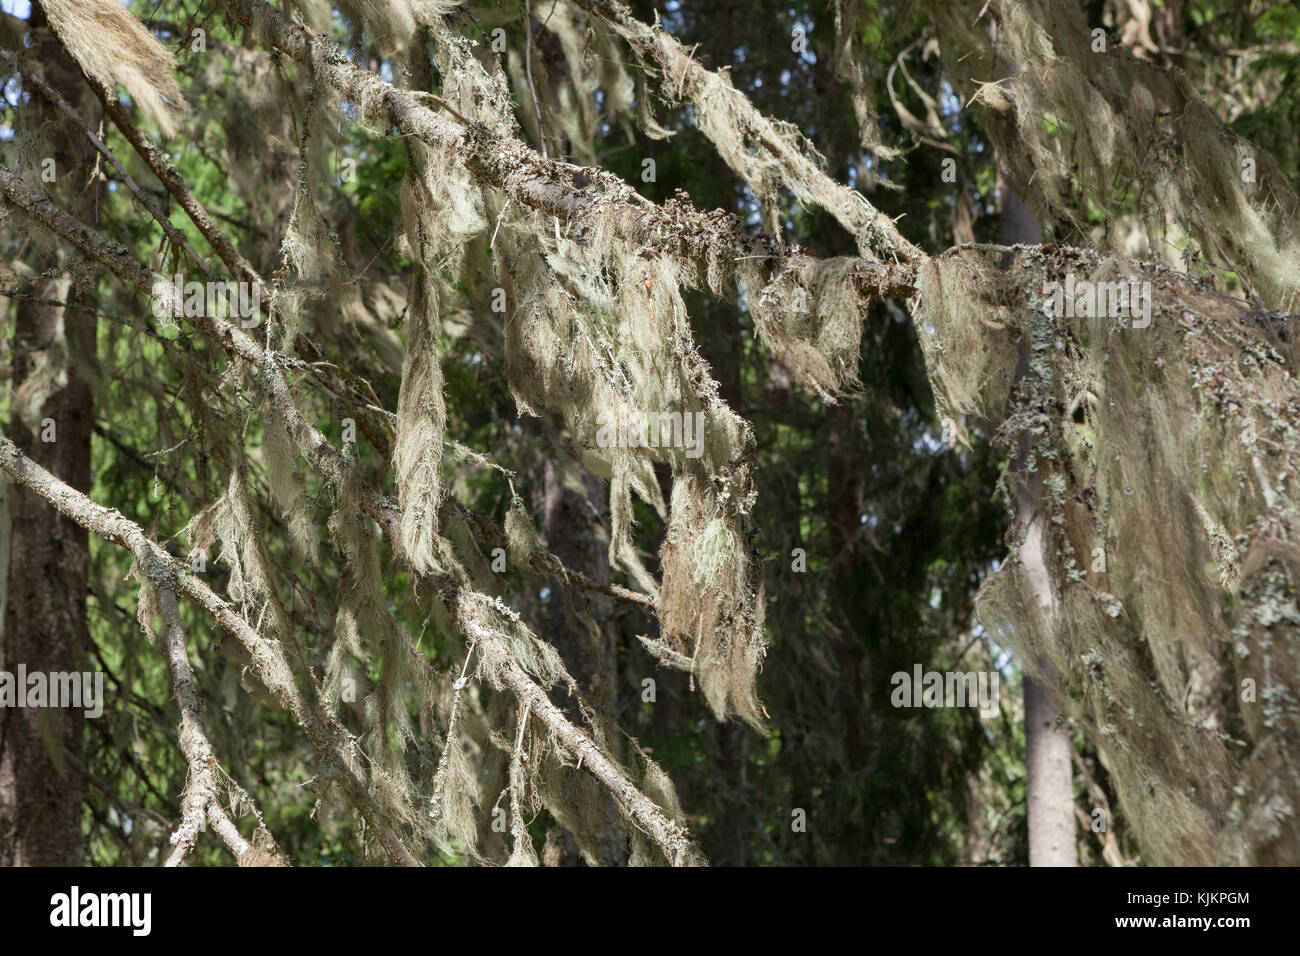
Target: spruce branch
x=461 y=600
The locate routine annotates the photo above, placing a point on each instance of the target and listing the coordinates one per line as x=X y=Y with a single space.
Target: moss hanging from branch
x=1163 y=454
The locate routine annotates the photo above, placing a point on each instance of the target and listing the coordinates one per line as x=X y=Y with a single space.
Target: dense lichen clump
x=489 y=290
x=1078 y=120
x=1164 y=455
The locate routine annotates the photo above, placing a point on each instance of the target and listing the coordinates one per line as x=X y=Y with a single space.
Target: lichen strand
x=1162 y=458
x=1070 y=120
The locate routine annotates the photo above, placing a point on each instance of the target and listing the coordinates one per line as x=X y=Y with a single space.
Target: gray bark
x=1049 y=787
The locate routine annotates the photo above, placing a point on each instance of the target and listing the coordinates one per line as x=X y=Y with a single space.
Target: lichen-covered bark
x=1164 y=457
x=1049 y=785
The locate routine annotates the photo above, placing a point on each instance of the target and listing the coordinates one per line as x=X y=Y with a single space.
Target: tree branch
x=201 y=796
x=712 y=242
x=462 y=601
x=167 y=573
x=801 y=174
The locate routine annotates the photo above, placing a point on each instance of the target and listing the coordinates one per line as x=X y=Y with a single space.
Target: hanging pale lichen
x=421 y=420
x=229 y=522
x=439 y=216
x=852 y=62
x=592 y=89
x=112 y=46
x=1071 y=118
x=766 y=154
x=814 y=327
x=1160 y=440
x=288 y=489
x=712 y=595
x=563 y=358
x=970 y=367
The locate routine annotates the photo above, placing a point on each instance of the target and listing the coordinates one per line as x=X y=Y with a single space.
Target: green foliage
x=899 y=531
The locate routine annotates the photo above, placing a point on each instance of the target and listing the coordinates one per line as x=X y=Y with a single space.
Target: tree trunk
x=1049 y=787
x=41 y=754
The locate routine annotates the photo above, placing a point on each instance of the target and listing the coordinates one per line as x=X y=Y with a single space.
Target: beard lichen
x=1160 y=453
